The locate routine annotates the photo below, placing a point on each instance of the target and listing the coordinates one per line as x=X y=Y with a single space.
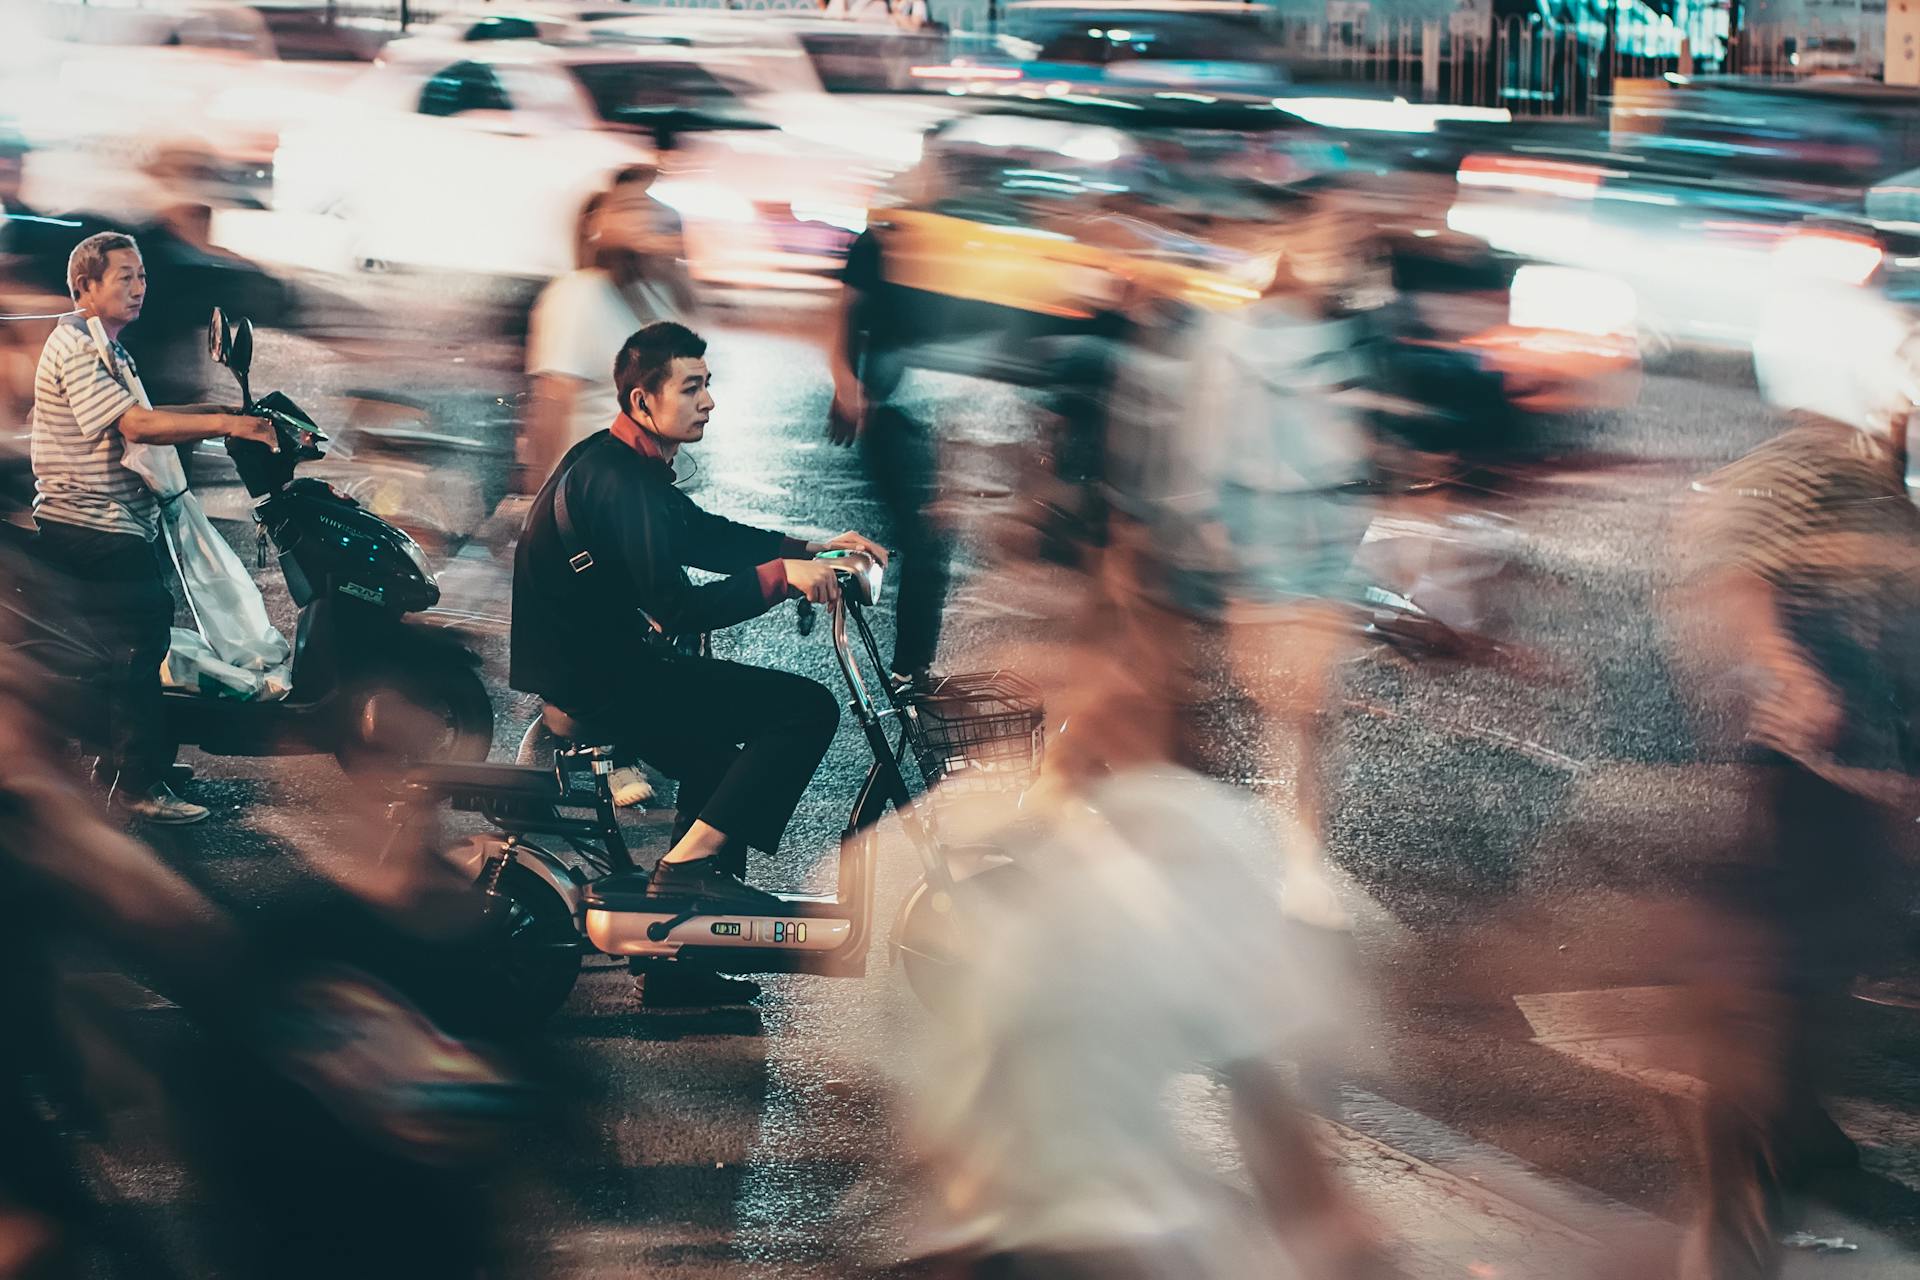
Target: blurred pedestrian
x=332 y=1125
x=630 y=271
x=98 y=519
x=1228 y=466
x=899 y=451
x=1122 y=974
x=1804 y=564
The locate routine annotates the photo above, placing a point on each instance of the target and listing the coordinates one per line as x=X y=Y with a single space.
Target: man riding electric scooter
x=601 y=594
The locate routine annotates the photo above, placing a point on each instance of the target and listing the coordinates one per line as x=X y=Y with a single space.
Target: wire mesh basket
x=984 y=730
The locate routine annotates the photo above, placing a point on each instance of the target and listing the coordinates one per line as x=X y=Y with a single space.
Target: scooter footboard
x=810 y=936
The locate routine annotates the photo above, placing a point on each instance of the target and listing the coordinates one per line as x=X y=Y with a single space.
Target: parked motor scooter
x=374 y=682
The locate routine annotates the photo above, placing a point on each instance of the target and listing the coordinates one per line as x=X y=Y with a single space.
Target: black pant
x=1808 y=904
x=123 y=608
x=903 y=465
x=742 y=741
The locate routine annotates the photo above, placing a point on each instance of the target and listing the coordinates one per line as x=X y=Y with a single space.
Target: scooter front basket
x=983 y=730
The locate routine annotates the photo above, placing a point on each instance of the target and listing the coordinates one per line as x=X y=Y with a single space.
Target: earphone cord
x=59 y=316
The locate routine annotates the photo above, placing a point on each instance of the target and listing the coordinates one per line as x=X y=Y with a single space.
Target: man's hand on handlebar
x=815 y=580
x=851 y=541
x=236 y=426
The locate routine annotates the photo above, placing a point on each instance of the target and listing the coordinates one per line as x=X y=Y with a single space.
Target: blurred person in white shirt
x=630 y=272
x=1128 y=987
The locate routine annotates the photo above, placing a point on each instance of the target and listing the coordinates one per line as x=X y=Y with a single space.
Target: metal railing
x=1526 y=67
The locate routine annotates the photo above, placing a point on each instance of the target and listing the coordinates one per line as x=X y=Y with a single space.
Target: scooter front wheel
x=395 y=717
x=938 y=933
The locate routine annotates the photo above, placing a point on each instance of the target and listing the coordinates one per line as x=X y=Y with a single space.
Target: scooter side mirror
x=219 y=336
x=240 y=349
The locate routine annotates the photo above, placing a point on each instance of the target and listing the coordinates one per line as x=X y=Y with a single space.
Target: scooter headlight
x=870 y=577
x=864 y=575
x=419 y=558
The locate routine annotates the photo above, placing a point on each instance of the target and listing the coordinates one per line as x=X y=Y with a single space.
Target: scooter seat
x=512 y=780
x=562 y=725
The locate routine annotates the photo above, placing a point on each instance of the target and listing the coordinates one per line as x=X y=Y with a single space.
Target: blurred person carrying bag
x=228 y=611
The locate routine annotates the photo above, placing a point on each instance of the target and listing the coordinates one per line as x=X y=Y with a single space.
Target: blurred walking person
x=630 y=271
x=1125 y=967
x=1805 y=573
x=901 y=453
x=1228 y=461
x=630 y=256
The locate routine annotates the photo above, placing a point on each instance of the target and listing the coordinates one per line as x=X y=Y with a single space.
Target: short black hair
x=644 y=361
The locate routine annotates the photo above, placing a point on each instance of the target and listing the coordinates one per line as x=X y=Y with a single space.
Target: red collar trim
x=628 y=432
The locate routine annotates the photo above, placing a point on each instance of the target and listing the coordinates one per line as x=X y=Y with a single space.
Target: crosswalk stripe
x=1633 y=1032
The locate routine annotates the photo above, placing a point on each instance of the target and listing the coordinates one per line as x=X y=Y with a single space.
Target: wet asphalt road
x=1501 y=831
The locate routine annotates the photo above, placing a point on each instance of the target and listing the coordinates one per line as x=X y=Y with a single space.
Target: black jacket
x=642 y=533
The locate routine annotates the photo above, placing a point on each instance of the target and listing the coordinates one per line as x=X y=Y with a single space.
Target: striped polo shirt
x=1822 y=515
x=77 y=447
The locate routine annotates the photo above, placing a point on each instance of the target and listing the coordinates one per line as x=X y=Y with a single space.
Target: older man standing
x=98 y=520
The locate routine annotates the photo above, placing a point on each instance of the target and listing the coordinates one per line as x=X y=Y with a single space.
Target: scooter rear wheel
x=396 y=717
x=533 y=959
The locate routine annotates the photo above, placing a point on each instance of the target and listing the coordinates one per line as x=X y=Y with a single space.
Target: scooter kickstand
x=659 y=929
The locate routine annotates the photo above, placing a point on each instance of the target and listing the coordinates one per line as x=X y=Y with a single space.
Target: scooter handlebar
x=298 y=436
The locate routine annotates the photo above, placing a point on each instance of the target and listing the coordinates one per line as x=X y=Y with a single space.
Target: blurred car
x=1702 y=195
x=835 y=81
x=126 y=109
x=1034 y=235
x=476 y=155
x=1129 y=45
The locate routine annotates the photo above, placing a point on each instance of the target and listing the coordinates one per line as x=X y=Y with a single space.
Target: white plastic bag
x=193 y=666
x=227 y=607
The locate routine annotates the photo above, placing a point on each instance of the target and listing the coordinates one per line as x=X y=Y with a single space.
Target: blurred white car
x=835 y=80
x=476 y=155
x=125 y=107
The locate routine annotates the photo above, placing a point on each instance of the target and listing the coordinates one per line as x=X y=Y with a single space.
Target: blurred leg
x=1288 y=661
x=902 y=461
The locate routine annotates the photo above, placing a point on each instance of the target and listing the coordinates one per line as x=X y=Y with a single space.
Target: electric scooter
x=562 y=882
x=370 y=685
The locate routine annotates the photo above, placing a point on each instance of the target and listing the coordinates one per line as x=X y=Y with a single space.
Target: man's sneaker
x=159 y=804
x=671 y=987
x=702 y=881
x=177 y=775
x=920 y=680
x=630 y=787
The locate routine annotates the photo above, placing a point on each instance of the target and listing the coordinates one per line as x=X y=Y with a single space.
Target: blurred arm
x=1741 y=541
x=544 y=437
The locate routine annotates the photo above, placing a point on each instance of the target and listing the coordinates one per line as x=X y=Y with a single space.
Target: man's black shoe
x=702 y=881
x=671 y=987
